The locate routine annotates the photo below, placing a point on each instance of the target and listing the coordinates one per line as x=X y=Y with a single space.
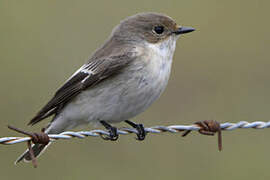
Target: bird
x=120 y=80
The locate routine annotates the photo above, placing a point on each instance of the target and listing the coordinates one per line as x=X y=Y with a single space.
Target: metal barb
x=31 y=152
x=36 y=138
x=209 y=128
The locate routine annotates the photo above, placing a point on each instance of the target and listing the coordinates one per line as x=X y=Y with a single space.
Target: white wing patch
x=74 y=74
x=83 y=69
x=87 y=71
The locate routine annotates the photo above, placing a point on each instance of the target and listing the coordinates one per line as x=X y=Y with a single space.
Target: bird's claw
x=141 y=133
x=113 y=136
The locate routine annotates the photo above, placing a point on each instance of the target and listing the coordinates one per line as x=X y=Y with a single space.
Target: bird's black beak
x=183 y=30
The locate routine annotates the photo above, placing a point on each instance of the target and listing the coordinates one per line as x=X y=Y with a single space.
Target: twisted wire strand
x=125 y=131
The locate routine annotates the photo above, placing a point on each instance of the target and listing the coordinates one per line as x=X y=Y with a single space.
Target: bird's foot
x=113 y=136
x=208 y=127
x=139 y=127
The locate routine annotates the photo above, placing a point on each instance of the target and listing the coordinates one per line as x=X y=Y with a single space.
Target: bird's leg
x=139 y=127
x=112 y=130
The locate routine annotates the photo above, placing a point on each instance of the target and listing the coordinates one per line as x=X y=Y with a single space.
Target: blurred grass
x=220 y=71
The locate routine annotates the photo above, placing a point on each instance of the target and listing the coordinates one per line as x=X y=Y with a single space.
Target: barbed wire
x=125 y=131
x=207 y=127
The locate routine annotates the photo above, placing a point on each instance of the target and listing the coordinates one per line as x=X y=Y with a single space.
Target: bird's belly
x=119 y=98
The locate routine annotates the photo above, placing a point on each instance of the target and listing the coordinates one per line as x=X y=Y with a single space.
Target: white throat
x=164 y=49
x=159 y=59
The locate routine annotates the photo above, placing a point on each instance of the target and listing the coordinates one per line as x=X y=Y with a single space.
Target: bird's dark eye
x=159 y=29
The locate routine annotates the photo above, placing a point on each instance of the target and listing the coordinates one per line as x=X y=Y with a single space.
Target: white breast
x=159 y=67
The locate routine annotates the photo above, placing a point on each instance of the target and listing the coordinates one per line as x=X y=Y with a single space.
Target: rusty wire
x=125 y=131
x=207 y=127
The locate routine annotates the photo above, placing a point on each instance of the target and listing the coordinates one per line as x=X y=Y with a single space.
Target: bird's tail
x=38 y=149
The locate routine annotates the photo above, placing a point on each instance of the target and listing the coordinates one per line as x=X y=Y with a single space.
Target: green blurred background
x=220 y=71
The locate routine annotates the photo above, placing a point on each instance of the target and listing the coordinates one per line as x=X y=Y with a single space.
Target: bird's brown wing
x=87 y=76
